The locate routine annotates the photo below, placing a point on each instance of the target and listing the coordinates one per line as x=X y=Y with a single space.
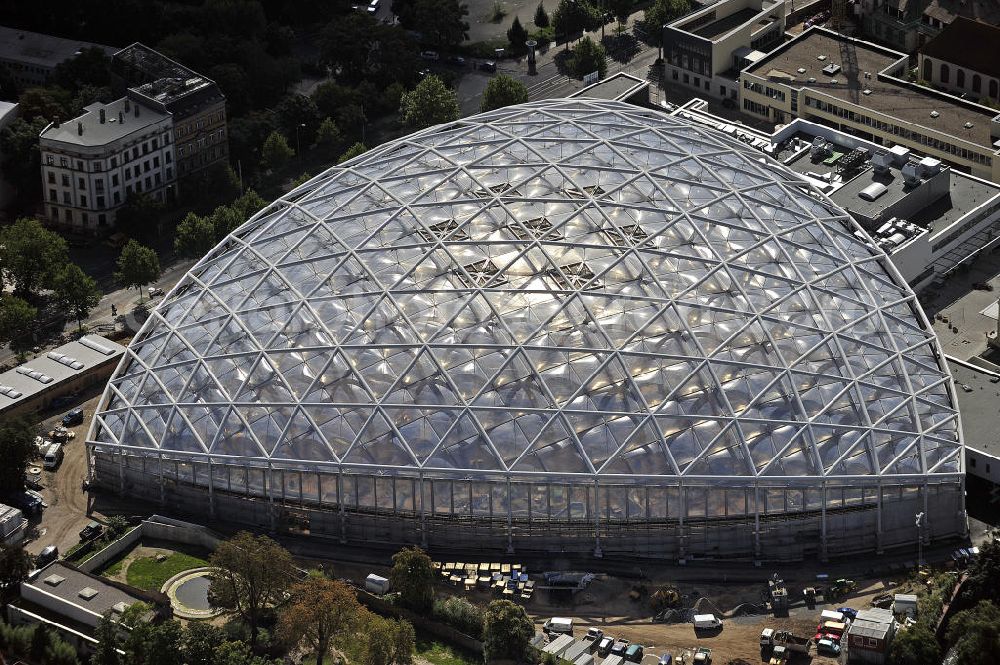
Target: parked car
x=706 y=622
x=430 y=55
x=848 y=612
x=53 y=457
x=666 y=659
x=594 y=635
x=74 y=417
x=154 y=291
x=91 y=531
x=373 y=6
x=634 y=653
x=46 y=556
x=456 y=60
x=983 y=286
x=29 y=504
x=604 y=647
x=827 y=648
x=488 y=66
x=620 y=647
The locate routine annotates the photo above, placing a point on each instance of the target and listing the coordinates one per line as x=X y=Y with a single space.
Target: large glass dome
x=564 y=291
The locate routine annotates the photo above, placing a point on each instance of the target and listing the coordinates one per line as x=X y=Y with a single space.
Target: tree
x=328 y=135
x=252 y=573
x=88 y=94
x=517 y=36
x=430 y=103
x=659 y=14
x=442 y=21
x=90 y=66
x=503 y=90
x=506 y=631
x=319 y=610
x=331 y=97
x=106 y=634
x=201 y=641
x=621 y=9
x=588 y=56
x=238 y=653
x=137 y=266
x=40 y=640
x=139 y=218
x=412 y=576
x=275 y=152
x=352 y=152
x=17 y=448
x=30 y=256
x=541 y=17
x=50 y=103
x=76 y=292
x=387 y=642
x=22 y=159
x=984 y=575
x=17 y=324
x=195 y=236
x=915 y=646
x=975 y=634
x=298 y=112
x=15 y=564
x=60 y=652
x=570 y=17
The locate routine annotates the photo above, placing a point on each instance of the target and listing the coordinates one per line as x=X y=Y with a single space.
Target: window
x=114 y=162
x=68 y=215
x=50 y=160
x=960 y=77
x=81 y=183
x=85 y=217
x=79 y=165
x=63 y=162
x=114 y=179
x=102 y=220
x=977 y=83
x=52 y=178
x=156 y=161
x=135 y=152
x=128 y=189
x=157 y=176
x=66 y=199
x=65 y=180
x=928 y=65
x=149 y=183
x=145 y=148
x=128 y=172
x=872 y=642
x=170 y=173
x=52 y=196
x=944 y=73
x=118 y=197
x=674 y=72
x=99 y=184
x=167 y=157
x=100 y=202
x=54 y=214
x=145 y=166
x=83 y=201
x=155 y=143
x=97 y=167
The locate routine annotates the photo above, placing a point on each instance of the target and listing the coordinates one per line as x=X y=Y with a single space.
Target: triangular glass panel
x=554 y=451
x=302 y=442
x=377 y=444
x=464 y=447
x=236 y=440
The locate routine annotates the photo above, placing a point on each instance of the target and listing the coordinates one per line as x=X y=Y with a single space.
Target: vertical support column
x=340 y=504
x=211 y=490
x=878 y=518
x=121 y=472
x=597 y=520
x=159 y=468
x=269 y=492
x=510 y=518
x=681 y=529
x=756 y=524
x=823 y=551
x=963 y=513
x=926 y=531
x=423 y=516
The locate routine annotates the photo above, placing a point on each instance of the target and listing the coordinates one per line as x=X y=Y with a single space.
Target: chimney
x=79 y=128
x=102 y=116
x=121 y=118
x=137 y=110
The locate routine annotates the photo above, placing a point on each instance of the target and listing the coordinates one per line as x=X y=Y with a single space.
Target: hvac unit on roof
x=911 y=173
x=881 y=162
x=831 y=69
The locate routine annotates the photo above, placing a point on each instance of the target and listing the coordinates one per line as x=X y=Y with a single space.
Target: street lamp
x=920 y=541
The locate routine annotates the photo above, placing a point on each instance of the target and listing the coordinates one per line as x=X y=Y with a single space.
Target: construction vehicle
x=769 y=637
x=839 y=588
x=703 y=656
x=665 y=597
x=777 y=596
x=809 y=593
x=779 y=656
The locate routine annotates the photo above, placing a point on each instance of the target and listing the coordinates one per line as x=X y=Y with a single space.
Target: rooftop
x=37 y=375
x=805 y=56
x=153 y=64
x=96 y=133
x=987 y=11
x=76 y=587
x=44 y=50
x=616 y=87
x=721 y=26
x=874 y=622
x=967 y=43
x=965 y=195
x=979 y=407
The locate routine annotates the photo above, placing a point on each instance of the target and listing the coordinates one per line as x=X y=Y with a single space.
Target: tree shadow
x=564 y=63
x=621 y=48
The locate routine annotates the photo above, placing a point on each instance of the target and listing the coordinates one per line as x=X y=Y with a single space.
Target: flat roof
x=889 y=96
x=39 y=49
x=615 y=87
x=19 y=384
x=847 y=196
x=987 y=11
x=721 y=26
x=965 y=194
x=96 y=133
x=979 y=407
x=74 y=581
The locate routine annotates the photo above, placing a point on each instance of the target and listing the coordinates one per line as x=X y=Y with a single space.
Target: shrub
x=460 y=614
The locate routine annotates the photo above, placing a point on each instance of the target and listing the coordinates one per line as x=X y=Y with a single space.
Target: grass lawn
x=115 y=568
x=439 y=653
x=149 y=574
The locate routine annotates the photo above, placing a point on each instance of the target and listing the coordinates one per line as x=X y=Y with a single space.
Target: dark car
x=91 y=531
x=74 y=417
x=46 y=556
x=620 y=647
x=488 y=66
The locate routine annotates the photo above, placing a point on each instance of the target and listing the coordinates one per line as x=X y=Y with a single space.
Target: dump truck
x=769 y=637
x=777 y=595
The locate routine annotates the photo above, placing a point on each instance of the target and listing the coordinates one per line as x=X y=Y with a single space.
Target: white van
x=53 y=456
x=706 y=622
x=559 y=625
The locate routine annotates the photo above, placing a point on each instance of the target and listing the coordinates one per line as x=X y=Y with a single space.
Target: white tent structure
x=568 y=324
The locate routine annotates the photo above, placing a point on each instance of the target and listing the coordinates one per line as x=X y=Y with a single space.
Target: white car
x=430 y=55
x=373 y=6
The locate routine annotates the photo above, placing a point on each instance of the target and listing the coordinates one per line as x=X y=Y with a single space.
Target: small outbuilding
x=377 y=584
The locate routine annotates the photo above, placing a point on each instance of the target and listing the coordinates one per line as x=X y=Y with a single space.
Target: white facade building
x=91 y=164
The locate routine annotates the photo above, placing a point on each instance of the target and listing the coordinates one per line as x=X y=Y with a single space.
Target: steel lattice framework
x=566 y=289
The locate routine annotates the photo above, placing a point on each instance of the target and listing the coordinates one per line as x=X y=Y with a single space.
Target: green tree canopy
x=506 y=631
x=442 y=22
x=352 y=152
x=50 y=103
x=328 y=135
x=298 y=111
x=17 y=324
x=984 y=575
x=503 y=90
x=91 y=66
x=541 y=17
x=201 y=641
x=30 y=256
x=137 y=266
x=915 y=645
x=387 y=642
x=76 y=292
x=275 y=152
x=621 y=9
x=975 y=634
x=659 y=14
x=139 y=218
x=517 y=36
x=252 y=574
x=572 y=16
x=21 y=157
x=17 y=448
x=588 y=56
x=195 y=235
x=238 y=653
x=108 y=641
x=412 y=576
x=430 y=103
x=15 y=564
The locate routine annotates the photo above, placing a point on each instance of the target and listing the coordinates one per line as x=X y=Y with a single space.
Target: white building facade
x=93 y=163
